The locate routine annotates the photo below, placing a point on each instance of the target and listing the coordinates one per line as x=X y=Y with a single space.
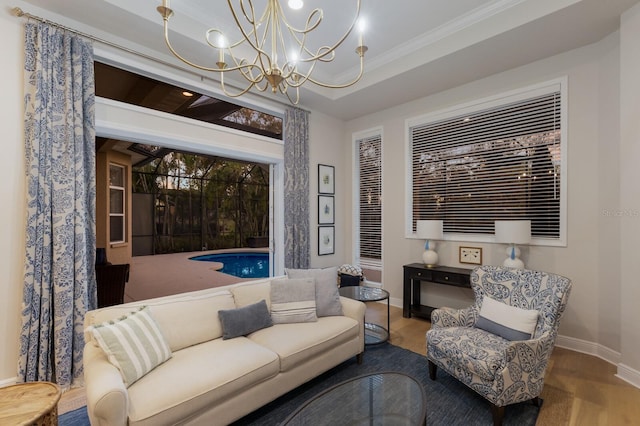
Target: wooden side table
x=32 y=403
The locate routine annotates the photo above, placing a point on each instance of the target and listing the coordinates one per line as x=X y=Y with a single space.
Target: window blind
x=370 y=200
x=498 y=163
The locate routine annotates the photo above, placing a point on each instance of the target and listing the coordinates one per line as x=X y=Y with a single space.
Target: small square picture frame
x=326 y=240
x=326 y=179
x=326 y=210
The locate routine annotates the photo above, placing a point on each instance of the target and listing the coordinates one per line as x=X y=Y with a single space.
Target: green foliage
x=204 y=202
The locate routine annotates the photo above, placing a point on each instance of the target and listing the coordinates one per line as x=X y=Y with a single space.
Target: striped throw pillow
x=293 y=300
x=134 y=344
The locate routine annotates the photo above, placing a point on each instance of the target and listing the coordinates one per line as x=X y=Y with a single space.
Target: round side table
x=32 y=403
x=373 y=333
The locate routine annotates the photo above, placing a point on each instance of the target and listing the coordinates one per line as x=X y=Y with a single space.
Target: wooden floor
x=579 y=389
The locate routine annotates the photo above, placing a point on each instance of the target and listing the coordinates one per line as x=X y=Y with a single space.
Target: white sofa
x=210 y=380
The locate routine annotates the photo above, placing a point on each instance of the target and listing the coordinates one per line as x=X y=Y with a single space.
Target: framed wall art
x=326 y=179
x=326 y=243
x=326 y=206
x=470 y=255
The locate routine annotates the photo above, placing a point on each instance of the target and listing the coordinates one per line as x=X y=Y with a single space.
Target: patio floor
x=167 y=274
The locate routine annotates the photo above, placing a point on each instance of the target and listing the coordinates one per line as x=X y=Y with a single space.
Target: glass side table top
x=373 y=399
x=364 y=293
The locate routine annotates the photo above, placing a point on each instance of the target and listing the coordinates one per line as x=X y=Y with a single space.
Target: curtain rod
x=22 y=14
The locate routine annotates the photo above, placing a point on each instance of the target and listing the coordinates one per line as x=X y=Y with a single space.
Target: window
x=493 y=160
x=117 y=196
x=369 y=211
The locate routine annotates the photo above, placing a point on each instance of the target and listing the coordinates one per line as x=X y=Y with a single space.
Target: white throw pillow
x=134 y=344
x=510 y=322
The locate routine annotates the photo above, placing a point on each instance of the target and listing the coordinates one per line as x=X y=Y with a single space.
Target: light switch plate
x=471 y=255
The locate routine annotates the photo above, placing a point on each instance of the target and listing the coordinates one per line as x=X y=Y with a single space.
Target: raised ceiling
x=416 y=47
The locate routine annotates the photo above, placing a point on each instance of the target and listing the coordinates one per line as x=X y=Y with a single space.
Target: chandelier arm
x=234 y=95
x=253 y=34
x=340 y=86
x=332 y=48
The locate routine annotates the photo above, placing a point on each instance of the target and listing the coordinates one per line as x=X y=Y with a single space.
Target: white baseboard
x=589 y=348
x=629 y=375
x=7 y=382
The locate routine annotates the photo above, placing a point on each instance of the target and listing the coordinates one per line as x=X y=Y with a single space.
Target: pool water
x=242 y=265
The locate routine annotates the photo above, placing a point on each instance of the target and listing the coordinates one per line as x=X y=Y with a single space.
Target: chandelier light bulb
x=295 y=4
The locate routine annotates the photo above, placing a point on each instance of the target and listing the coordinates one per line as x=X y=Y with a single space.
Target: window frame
x=356 y=139
x=123 y=215
x=555 y=85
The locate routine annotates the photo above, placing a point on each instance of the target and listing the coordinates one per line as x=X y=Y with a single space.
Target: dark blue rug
x=449 y=402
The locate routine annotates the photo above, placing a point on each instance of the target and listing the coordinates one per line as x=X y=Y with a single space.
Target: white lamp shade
x=513 y=231
x=429 y=229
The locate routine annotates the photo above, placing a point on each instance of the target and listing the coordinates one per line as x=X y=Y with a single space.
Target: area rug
x=448 y=401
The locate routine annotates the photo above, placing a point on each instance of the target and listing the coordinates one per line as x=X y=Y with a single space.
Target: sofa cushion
x=198 y=377
x=299 y=342
x=246 y=294
x=242 y=321
x=293 y=301
x=510 y=322
x=176 y=316
x=327 y=294
x=472 y=350
x=134 y=344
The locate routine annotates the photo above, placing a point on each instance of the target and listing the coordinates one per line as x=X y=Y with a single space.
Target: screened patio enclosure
x=185 y=202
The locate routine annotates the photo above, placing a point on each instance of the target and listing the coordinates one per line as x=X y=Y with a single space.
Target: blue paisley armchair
x=502 y=371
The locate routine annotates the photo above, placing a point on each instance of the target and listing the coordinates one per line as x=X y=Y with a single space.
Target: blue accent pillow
x=242 y=321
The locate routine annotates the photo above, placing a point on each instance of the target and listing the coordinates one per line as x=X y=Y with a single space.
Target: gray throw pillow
x=327 y=295
x=293 y=301
x=245 y=320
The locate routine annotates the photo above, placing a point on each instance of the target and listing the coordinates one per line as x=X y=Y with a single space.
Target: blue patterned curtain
x=296 y=188
x=59 y=277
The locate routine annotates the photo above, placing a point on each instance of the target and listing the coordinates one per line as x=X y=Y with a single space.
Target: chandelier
x=280 y=58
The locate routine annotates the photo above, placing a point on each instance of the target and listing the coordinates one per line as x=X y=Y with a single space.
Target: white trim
x=589 y=348
x=558 y=84
x=629 y=375
x=355 y=190
x=8 y=382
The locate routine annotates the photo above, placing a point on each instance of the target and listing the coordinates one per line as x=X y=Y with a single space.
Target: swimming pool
x=241 y=264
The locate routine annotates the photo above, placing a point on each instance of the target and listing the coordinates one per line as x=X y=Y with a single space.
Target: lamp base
x=430 y=258
x=513 y=263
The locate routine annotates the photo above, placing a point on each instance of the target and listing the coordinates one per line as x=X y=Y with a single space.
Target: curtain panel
x=296 y=188
x=59 y=278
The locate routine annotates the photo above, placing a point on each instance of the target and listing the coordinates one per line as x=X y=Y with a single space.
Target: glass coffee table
x=373 y=333
x=387 y=398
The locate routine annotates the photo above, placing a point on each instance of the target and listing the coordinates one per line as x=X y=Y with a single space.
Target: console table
x=416 y=273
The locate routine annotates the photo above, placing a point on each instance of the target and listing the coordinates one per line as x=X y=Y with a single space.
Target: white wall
x=12 y=193
x=325 y=135
x=591 y=258
x=629 y=222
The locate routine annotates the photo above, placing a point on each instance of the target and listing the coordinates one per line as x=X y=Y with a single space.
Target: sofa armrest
x=354 y=309
x=107 y=396
x=449 y=317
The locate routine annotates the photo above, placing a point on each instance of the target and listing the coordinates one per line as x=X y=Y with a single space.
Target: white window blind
x=370 y=200
x=501 y=162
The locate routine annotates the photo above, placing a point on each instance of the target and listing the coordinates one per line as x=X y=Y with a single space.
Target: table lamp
x=429 y=230
x=513 y=232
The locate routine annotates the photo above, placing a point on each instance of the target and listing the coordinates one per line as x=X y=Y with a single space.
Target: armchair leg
x=498 y=414
x=360 y=358
x=537 y=401
x=432 y=370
